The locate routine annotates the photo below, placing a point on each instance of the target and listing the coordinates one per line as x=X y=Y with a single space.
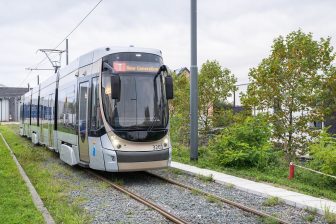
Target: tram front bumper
x=133 y=161
x=139 y=166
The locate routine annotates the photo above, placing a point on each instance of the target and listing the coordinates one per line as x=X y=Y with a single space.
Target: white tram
x=107 y=110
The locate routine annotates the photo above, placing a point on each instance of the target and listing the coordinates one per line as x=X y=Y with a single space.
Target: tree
x=328 y=96
x=179 y=109
x=287 y=85
x=215 y=84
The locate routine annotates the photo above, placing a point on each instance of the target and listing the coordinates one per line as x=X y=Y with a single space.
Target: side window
x=96 y=120
x=67 y=109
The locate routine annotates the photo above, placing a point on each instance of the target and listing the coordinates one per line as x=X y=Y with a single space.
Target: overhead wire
x=38 y=64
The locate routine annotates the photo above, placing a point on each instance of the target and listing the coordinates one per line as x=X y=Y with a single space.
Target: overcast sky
x=236 y=33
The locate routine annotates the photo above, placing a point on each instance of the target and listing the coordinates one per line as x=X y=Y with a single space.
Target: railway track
x=171 y=216
x=227 y=201
x=140 y=199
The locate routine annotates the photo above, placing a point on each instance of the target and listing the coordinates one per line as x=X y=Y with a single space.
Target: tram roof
x=91 y=57
x=98 y=53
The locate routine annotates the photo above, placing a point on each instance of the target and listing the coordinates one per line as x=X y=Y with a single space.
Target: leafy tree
x=215 y=84
x=179 y=109
x=287 y=85
x=328 y=96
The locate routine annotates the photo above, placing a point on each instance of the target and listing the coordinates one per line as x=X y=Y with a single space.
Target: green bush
x=244 y=145
x=179 y=129
x=323 y=151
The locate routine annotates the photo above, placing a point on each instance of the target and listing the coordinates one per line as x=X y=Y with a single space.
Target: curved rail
x=140 y=199
x=227 y=201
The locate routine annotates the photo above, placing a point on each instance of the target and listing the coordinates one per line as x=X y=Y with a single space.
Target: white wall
x=4 y=110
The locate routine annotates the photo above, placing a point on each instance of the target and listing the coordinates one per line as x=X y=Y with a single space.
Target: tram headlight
x=116 y=143
x=165 y=142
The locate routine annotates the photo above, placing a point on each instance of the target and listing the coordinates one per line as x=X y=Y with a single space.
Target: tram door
x=50 y=117
x=83 y=121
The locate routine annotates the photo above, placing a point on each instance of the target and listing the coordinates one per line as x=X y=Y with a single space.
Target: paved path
x=289 y=197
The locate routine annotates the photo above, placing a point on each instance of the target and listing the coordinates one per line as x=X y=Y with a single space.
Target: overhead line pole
x=193 y=84
x=67 y=51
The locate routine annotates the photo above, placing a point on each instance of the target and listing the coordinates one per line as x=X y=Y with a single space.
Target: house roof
x=12 y=91
x=179 y=71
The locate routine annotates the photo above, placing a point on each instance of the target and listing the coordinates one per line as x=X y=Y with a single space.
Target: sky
x=238 y=34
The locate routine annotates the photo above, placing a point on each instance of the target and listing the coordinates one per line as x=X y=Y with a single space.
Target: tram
x=107 y=110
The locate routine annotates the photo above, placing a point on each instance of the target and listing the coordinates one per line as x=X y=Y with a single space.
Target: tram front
x=135 y=89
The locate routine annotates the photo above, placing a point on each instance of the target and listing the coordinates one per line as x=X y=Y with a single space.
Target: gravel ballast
x=103 y=203
x=281 y=210
x=107 y=205
x=185 y=204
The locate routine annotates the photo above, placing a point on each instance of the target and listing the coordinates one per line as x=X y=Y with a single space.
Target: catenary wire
x=38 y=64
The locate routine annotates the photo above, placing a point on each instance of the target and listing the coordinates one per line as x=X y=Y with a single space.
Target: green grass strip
x=304 y=182
x=53 y=191
x=16 y=204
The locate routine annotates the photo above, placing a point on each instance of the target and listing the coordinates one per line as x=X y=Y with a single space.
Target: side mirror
x=115 y=87
x=169 y=87
x=163 y=68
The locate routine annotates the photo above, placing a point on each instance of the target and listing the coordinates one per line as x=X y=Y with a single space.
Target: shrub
x=179 y=131
x=271 y=201
x=323 y=151
x=244 y=144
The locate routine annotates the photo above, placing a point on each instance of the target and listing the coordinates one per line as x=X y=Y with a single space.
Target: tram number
x=157 y=147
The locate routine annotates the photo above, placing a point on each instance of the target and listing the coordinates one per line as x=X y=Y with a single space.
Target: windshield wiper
x=155 y=119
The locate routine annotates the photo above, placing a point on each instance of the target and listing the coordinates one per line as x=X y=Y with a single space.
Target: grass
x=311 y=215
x=16 y=204
x=271 y=201
x=205 y=179
x=212 y=199
x=119 y=182
x=309 y=218
x=196 y=192
x=176 y=171
x=304 y=181
x=52 y=190
x=329 y=216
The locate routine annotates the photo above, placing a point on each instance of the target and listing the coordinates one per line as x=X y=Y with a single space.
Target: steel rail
x=227 y=201
x=140 y=199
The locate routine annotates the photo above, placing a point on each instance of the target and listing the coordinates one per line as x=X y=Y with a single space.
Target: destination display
x=135 y=66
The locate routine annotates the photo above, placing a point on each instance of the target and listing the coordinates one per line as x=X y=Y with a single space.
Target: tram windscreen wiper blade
x=155 y=119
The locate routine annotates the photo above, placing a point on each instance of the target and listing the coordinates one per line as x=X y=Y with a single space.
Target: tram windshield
x=142 y=104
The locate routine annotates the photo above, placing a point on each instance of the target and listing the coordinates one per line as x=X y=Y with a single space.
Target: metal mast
x=66 y=51
x=193 y=84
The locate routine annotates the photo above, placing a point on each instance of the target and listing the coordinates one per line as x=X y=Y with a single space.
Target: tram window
x=96 y=121
x=67 y=109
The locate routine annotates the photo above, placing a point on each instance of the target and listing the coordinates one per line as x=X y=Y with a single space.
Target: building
x=182 y=71
x=9 y=102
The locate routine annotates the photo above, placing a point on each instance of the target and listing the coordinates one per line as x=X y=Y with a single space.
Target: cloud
x=236 y=33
